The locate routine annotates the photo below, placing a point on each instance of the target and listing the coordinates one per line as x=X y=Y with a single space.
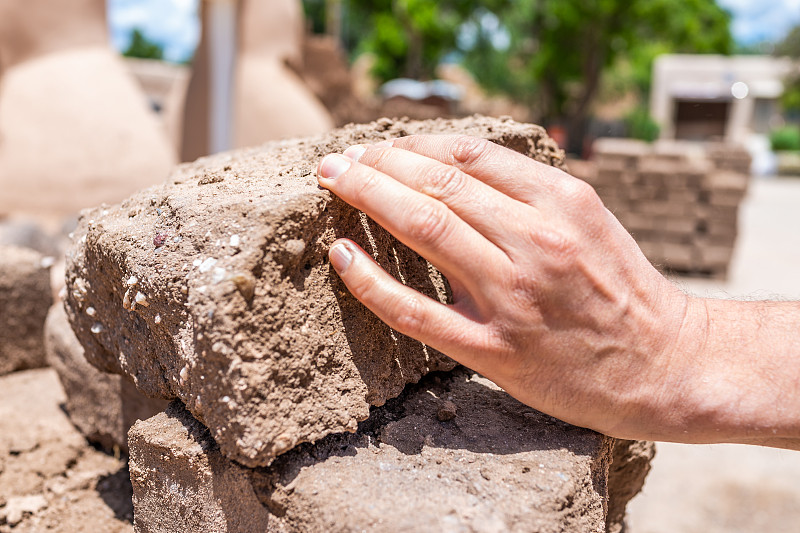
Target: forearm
x=741 y=378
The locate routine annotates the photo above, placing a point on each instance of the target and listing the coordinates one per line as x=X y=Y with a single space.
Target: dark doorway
x=700 y=120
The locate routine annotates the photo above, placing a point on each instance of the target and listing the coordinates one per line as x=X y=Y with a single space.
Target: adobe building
x=75 y=130
x=164 y=85
x=712 y=97
x=243 y=90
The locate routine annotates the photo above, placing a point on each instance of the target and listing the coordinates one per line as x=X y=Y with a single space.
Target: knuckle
x=525 y=289
x=445 y=181
x=579 y=193
x=408 y=316
x=503 y=342
x=427 y=223
x=466 y=150
x=563 y=256
x=410 y=142
x=363 y=286
x=378 y=157
x=558 y=244
x=560 y=253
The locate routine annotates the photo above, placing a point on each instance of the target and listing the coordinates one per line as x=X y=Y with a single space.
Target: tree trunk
x=333 y=18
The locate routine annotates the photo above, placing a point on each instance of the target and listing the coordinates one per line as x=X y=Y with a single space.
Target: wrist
x=673 y=407
x=736 y=375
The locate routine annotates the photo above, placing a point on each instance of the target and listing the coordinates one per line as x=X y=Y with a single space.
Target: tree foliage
x=790 y=47
x=549 y=54
x=143 y=48
x=410 y=37
x=560 y=48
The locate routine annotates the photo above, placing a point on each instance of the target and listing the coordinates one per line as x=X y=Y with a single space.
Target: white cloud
x=762 y=20
x=173 y=24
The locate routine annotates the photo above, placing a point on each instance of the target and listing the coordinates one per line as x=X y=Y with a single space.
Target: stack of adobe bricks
x=295 y=409
x=679 y=200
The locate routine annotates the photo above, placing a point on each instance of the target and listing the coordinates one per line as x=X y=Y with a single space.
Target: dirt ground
x=50 y=478
x=731 y=488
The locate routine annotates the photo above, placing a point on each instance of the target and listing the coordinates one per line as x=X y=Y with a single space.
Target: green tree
x=143 y=48
x=549 y=54
x=410 y=37
x=790 y=47
x=559 y=49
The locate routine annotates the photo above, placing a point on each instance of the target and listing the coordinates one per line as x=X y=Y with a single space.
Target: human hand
x=552 y=298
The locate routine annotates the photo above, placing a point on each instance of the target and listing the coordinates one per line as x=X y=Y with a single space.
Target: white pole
x=222 y=62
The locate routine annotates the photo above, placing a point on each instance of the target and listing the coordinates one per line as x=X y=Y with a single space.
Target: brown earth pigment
x=25 y=298
x=215 y=289
x=51 y=479
x=102 y=406
x=630 y=464
x=452 y=453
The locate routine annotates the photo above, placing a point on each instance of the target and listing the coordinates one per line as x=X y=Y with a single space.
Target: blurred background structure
x=74 y=129
x=243 y=90
x=684 y=115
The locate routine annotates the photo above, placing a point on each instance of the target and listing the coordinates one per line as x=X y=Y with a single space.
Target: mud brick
x=215 y=288
x=25 y=297
x=493 y=465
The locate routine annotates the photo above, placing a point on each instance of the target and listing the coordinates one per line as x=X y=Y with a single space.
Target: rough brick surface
x=24 y=300
x=102 y=406
x=496 y=465
x=215 y=289
x=630 y=465
x=184 y=484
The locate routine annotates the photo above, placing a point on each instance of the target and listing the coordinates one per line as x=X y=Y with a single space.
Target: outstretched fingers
x=484 y=208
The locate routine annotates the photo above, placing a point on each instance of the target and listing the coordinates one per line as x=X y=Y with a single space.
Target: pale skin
x=554 y=301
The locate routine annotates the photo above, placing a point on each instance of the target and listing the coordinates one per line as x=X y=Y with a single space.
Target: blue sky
x=174 y=24
x=755 y=21
x=171 y=23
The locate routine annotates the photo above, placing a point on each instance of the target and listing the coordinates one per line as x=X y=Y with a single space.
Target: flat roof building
x=704 y=97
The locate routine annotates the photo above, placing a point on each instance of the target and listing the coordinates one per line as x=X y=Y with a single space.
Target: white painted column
x=222 y=32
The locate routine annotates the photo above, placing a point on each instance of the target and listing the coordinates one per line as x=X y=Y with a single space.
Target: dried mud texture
x=630 y=465
x=215 y=289
x=497 y=465
x=51 y=479
x=25 y=298
x=102 y=406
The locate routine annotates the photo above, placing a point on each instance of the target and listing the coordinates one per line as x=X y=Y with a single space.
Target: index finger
x=510 y=172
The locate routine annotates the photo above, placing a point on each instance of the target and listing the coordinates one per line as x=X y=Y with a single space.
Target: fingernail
x=355 y=152
x=340 y=257
x=333 y=166
x=385 y=144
